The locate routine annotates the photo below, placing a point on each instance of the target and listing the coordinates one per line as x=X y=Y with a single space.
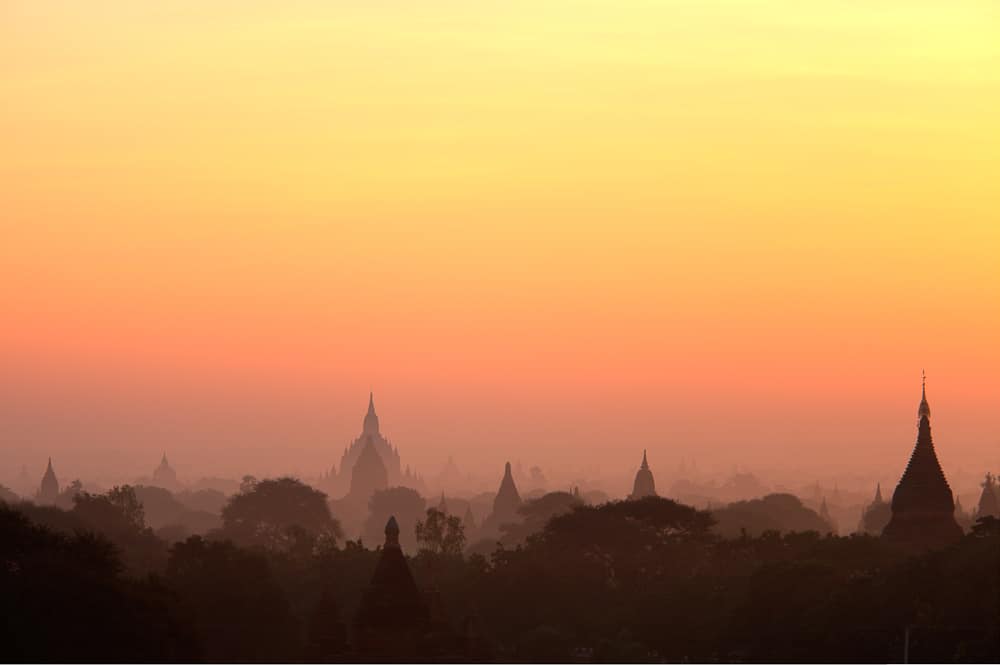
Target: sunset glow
x=551 y=231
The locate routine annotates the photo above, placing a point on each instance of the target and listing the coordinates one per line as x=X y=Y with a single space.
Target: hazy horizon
x=537 y=231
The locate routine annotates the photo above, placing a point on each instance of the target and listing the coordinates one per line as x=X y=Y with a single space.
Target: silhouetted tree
x=774 y=512
x=278 y=515
x=403 y=503
x=440 y=533
x=63 y=599
x=238 y=609
x=535 y=514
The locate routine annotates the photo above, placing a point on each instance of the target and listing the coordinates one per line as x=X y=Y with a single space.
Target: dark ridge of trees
x=774 y=512
x=278 y=515
x=633 y=581
x=232 y=599
x=64 y=598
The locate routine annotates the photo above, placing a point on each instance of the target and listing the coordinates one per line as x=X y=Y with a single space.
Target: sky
x=558 y=232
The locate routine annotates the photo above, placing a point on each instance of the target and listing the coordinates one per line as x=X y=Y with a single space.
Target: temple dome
x=644 y=484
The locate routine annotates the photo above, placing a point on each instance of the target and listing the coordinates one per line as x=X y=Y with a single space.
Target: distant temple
x=368 y=475
x=824 y=513
x=643 y=485
x=989 y=505
x=338 y=481
x=164 y=476
x=507 y=500
x=48 y=491
x=875 y=515
x=923 y=510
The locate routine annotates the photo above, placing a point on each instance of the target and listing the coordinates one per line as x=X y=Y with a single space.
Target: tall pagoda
x=643 y=485
x=923 y=509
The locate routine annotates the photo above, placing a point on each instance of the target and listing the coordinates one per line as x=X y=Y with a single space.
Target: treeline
x=640 y=581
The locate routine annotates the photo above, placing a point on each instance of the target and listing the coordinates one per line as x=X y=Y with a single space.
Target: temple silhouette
x=48 y=490
x=875 y=515
x=396 y=620
x=923 y=508
x=644 y=485
x=164 y=475
x=339 y=481
x=989 y=503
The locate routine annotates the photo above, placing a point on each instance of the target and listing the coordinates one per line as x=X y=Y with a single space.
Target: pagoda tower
x=48 y=491
x=643 y=485
x=507 y=500
x=923 y=510
x=393 y=616
x=164 y=475
x=989 y=505
x=875 y=515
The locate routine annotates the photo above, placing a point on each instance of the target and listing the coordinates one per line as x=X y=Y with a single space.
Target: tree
x=63 y=599
x=277 y=514
x=440 y=533
x=118 y=514
x=403 y=503
x=238 y=609
x=536 y=514
x=774 y=512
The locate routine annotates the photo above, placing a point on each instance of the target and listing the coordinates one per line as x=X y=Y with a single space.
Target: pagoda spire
x=925 y=409
x=923 y=506
x=645 y=464
x=878 y=493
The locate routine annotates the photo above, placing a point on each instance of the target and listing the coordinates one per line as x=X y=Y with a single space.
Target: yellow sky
x=571 y=199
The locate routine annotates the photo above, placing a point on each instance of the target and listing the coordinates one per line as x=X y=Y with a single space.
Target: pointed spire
x=878 y=493
x=645 y=464
x=49 y=468
x=370 y=425
x=925 y=409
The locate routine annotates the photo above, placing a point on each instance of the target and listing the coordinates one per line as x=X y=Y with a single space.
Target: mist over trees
x=640 y=581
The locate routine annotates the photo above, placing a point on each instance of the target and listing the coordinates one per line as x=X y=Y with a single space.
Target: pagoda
x=507 y=500
x=989 y=506
x=48 y=491
x=393 y=617
x=923 y=509
x=643 y=485
x=164 y=475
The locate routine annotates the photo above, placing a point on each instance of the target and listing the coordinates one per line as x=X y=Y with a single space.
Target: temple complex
x=923 y=510
x=643 y=485
x=337 y=482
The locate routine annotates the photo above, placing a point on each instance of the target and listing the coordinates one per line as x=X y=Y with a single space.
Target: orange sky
x=553 y=231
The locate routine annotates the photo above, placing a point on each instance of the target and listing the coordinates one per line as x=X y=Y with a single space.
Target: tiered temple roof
x=923 y=510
